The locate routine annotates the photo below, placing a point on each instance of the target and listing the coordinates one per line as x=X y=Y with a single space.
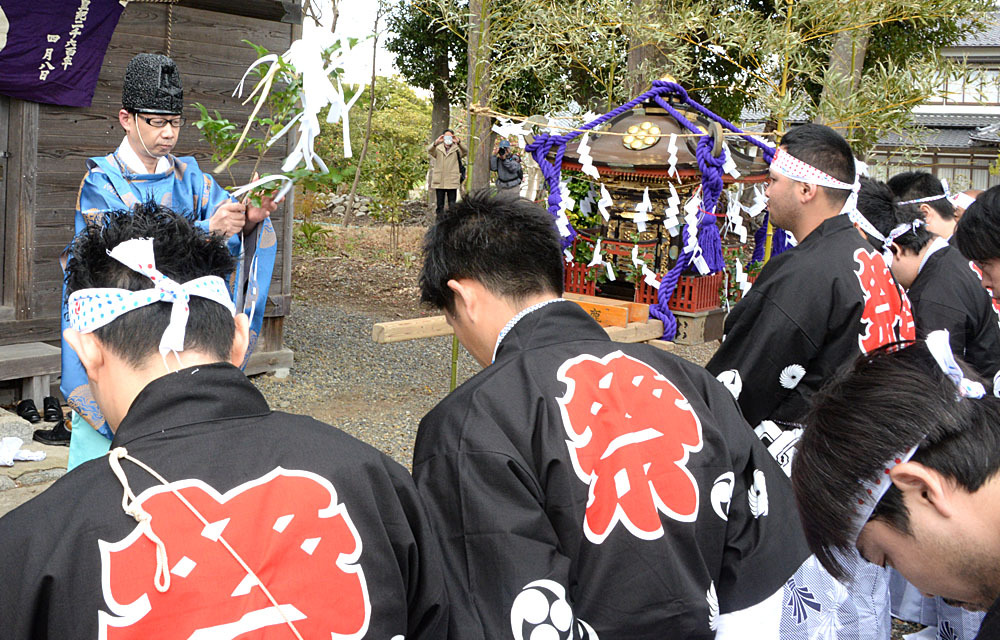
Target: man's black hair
x=182 y=253
x=877 y=203
x=978 y=230
x=511 y=246
x=890 y=400
x=822 y=147
x=913 y=185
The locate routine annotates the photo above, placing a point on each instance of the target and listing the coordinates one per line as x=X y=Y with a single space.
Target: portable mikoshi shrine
x=642 y=161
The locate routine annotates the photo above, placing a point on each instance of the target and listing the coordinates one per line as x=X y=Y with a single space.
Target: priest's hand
x=257 y=214
x=228 y=219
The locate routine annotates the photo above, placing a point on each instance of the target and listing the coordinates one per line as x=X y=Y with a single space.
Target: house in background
x=960 y=128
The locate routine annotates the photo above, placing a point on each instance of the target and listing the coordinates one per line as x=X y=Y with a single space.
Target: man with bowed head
x=142 y=168
x=585 y=488
x=211 y=516
x=900 y=463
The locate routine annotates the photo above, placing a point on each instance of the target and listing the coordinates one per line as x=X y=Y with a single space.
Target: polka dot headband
x=874 y=490
x=91 y=309
x=791 y=167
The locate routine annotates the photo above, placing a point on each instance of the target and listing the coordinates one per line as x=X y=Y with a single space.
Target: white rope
x=134 y=509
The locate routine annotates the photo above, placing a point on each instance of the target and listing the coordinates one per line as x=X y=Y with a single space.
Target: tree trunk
x=640 y=78
x=440 y=112
x=440 y=101
x=349 y=213
x=480 y=142
x=843 y=75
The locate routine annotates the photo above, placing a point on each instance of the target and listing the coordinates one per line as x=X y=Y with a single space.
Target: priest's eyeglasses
x=159 y=123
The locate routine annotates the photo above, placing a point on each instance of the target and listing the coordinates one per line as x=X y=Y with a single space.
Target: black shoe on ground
x=27 y=410
x=57 y=435
x=51 y=410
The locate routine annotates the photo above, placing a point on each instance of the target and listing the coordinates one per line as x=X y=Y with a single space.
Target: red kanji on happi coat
x=979 y=274
x=630 y=435
x=289 y=529
x=887 y=316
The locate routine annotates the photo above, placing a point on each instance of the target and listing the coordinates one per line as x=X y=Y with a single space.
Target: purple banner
x=51 y=51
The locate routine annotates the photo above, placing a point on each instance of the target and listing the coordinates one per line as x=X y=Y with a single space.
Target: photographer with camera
x=507 y=164
x=447 y=172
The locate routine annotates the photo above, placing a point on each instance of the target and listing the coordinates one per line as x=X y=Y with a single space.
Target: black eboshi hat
x=152 y=85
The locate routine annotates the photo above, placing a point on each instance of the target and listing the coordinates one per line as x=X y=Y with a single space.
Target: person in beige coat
x=446 y=172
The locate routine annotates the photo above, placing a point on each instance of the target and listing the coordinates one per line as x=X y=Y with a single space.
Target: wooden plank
x=607 y=315
x=270 y=361
x=412 y=329
x=638 y=312
x=38 y=329
x=20 y=186
x=271 y=10
x=661 y=344
x=636 y=331
x=434 y=326
x=28 y=359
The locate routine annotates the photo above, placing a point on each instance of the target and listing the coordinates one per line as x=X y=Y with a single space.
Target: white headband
x=789 y=166
x=938 y=343
x=91 y=309
x=940 y=196
x=900 y=230
x=962 y=200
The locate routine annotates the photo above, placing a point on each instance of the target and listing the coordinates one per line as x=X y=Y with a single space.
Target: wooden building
x=43 y=149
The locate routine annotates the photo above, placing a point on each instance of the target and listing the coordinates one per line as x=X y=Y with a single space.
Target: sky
x=357 y=18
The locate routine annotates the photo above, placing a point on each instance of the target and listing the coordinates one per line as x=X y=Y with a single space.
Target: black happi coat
x=947 y=294
x=333 y=528
x=812 y=309
x=613 y=478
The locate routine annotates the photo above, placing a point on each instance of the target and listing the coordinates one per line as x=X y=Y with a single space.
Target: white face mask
x=448 y=139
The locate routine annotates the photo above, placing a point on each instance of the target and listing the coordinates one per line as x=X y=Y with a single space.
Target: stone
x=7 y=483
x=339 y=209
x=13 y=425
x=32 y=478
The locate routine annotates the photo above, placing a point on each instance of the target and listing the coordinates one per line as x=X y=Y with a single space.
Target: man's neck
x=135 y=159
x=810 y=222
x=133 y=381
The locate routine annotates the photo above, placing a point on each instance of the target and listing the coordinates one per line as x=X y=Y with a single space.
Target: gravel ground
x=375 y=392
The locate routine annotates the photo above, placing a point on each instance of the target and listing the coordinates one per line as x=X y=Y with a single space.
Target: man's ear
x=241 y=340
x=927 y=209
x=922 y=486
x=125 y=119
x=88 y=348
x=466 y=298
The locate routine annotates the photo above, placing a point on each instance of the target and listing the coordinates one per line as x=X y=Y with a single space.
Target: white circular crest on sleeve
x=731 y=380
x=791 y=375
x=757 y=495
x=722 y=494
x=713 y=606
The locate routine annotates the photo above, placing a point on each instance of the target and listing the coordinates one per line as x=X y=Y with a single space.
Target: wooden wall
x=208 y=48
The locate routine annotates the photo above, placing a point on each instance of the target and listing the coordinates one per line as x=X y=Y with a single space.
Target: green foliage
x=397 y=156
x=771 y=55
x=280 y=104
x=422 y=43
x=310 y=237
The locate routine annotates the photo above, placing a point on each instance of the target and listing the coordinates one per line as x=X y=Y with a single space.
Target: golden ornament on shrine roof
x=642 y=136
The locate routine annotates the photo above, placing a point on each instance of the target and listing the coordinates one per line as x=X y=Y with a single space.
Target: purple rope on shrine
x=711 y=169
x=779 y=242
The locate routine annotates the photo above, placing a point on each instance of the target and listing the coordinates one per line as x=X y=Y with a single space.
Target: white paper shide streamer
x=642 y=211
x=588 y=162
x=319 y=92
x=604 y=203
